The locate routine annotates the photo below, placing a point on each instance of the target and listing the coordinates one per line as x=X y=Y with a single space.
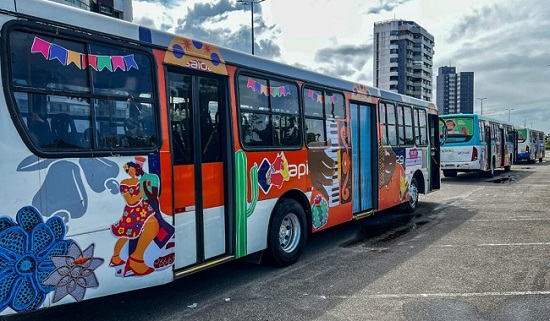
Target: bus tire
x=508 y=168
x=412 y=204
x=491 y=172
x=287 y=234
x=449 y=173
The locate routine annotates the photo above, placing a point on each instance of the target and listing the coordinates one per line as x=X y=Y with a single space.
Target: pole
x=252 y=24
x=509 y=110
x=482 y=99
x=252 y=3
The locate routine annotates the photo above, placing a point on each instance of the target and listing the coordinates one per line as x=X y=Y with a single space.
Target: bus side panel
x=67 y=211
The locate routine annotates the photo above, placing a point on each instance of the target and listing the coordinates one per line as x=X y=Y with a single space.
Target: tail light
x=474 y=154
x=527 y=149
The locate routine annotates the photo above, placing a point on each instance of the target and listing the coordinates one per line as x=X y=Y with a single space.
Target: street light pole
x=509 y=110
x=251 y=3
x=482 y=99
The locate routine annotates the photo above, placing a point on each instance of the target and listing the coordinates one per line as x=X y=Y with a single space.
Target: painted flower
x=26 y=250
x=74 y=273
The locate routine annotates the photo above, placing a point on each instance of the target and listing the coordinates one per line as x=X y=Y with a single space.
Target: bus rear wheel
x=412 y=204
x=491 y=172
x=287 y=234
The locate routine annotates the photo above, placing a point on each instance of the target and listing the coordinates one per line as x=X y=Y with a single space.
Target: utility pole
x=251 y=3
x=482 y=99
x=509 y=110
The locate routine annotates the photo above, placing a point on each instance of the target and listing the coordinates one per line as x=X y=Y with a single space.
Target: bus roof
x=476 y=116
x=64 y=15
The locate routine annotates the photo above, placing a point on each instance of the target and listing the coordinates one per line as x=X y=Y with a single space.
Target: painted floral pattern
x=74 y=273
x=27 y=247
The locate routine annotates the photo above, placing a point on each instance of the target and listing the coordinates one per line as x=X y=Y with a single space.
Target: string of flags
x=267 y=90
x=320 y=98
x=51 y=51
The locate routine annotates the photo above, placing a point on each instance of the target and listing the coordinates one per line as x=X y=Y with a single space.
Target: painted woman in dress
x=138 y=224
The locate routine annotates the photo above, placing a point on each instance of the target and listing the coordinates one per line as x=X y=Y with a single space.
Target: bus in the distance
x=531 y=145
x=476 y=143
x=132 y=157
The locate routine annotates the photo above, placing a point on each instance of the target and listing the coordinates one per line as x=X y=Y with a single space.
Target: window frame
x=88 y=39
x=270 y=77
x=324 y=117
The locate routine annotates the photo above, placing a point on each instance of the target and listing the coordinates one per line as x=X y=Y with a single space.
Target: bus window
x=460 y=129
x=56 y=104
x=269 y=112
x=322 y=108
x=421 y=127
x=391 y=127
x=408 y=125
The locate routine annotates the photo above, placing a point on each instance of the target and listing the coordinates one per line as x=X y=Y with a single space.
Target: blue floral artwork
x=74 y=273
x=27 y=247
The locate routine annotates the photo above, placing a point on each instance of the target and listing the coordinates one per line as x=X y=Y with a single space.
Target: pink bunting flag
x=118 y=62
x=250 y=83
x=41 y=46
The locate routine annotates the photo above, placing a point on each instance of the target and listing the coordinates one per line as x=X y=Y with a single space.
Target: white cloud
x=503 y=42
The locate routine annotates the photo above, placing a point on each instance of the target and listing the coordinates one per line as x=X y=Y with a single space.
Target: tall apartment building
x=455 y=91
x=403 y=55
x=121 y=9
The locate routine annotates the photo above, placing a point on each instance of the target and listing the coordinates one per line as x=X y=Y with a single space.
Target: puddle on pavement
x=379 y=232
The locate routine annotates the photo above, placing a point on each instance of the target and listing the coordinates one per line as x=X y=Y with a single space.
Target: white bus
x=531 y=145
x=476 y=144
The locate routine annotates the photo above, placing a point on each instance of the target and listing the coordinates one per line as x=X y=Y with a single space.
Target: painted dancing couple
x=141 y=226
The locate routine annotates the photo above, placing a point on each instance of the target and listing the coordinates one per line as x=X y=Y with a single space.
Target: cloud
x=212 y=23
x=345 y=61
x=505 y=45
x=386 y=5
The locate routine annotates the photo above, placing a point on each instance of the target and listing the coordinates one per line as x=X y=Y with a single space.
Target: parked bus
x=133 y=157
x=531 y=145
x=477 y=143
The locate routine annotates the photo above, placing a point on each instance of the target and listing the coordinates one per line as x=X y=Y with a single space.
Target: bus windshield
x=459 y=129
x=522 y=135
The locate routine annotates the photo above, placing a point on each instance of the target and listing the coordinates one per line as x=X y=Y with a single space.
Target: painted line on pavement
x=450 y=295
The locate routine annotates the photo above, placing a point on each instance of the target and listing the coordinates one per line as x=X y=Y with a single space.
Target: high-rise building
x=455 y=91
x=403 y=55
x=121 y=9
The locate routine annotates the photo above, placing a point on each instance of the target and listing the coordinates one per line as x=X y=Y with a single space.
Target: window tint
x=269 y=112
x=422 y=128
x=389 y=128
x=322 y=109
x=62 y=112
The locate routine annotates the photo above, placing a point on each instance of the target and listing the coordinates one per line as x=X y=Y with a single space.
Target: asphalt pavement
x=477 y=250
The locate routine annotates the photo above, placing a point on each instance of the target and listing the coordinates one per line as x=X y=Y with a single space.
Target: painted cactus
x=243 y=208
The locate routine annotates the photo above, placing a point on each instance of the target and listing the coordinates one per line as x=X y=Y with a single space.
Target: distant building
x=121 y=9
x=403 y=58
x=455 y=91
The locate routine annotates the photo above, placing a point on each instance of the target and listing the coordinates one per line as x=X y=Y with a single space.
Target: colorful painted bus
x=476 y=143
x=133 y=157
x=531 y=145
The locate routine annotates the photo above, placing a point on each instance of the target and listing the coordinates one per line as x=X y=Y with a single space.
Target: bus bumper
x=461 y=166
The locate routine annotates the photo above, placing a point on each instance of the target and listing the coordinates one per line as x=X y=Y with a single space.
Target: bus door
x=437 y=136
x=489 y=141
x=362 y=130
x=502 y=147
x=197 y=107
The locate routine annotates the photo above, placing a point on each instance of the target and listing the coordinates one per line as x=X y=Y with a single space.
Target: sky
x=506 y=43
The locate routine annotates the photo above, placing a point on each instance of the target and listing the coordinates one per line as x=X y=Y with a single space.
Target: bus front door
x=196 y=111
x=489 y=149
